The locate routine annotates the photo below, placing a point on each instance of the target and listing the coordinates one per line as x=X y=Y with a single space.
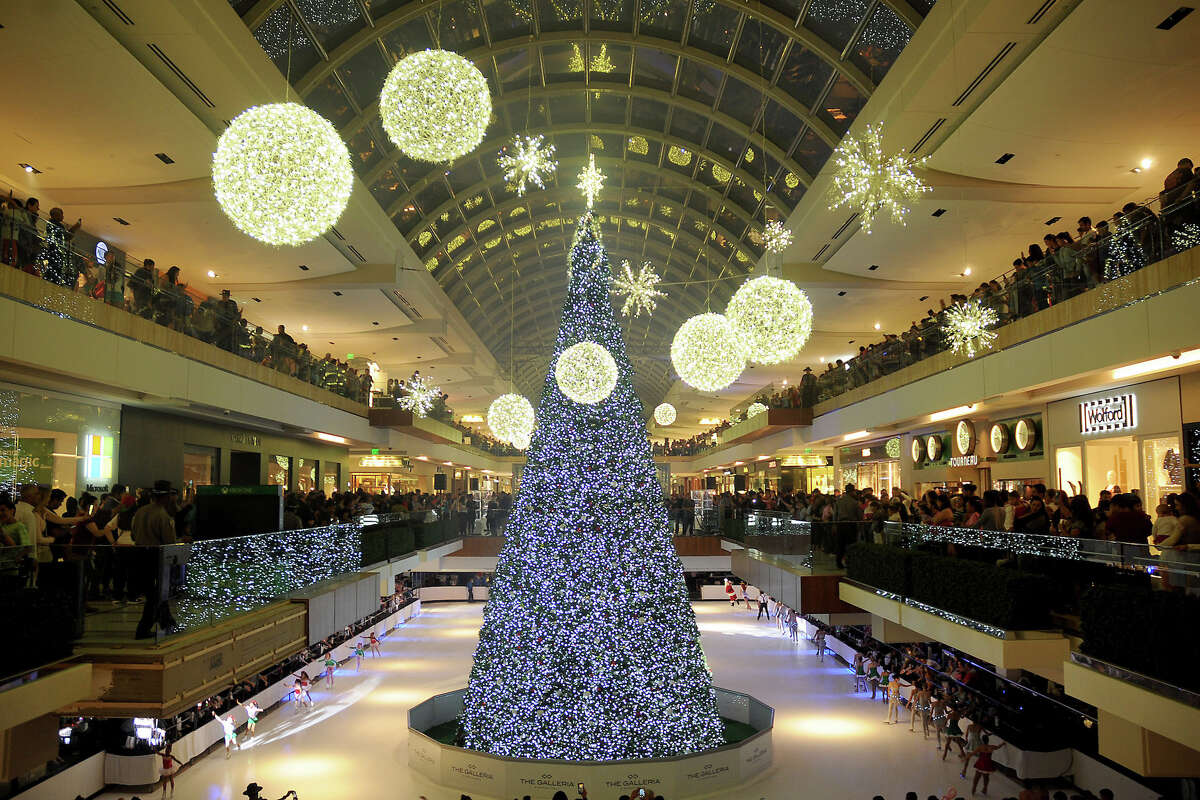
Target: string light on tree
x=707 y=353
x=1125 y=252
x=868 y=181
x=282 y=174
x=755 y=409
x=510 y=418
x=419 y=395
x=638 y=289
x=775 y=237
x=589 y=648
x=526 y=161
x=664 y=414
x=967 y=327
x=591 y=180
x=1186 y=236
x=435 y=105
x=773 y=318
x=586 y=372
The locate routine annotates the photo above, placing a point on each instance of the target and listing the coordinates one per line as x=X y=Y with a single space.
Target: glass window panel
x=460 y=25
x=328 y=100
x=1162 y=470
x=565 y=110
x=790 y=8
x=332 y=21
x=759 y=48
x=811 y=152
x=364 y=149
x=740 y=193
x=387 y=188
x=570 y=145
x=507 y=20
x=562 y=62
x=282 y=38
x=842 y=105
x=611 y=15
x=610 y=108
x=407 y=218
x=513 y=67
x=739 y=100
x=408 y=38
x=330 y=476
x=201 y=465
x=788 y=186
x=882 y=41
x=804 y=75
x=432 y=196
x=835 y=20
x=377 y=8
x=725 y=142
x=688 y=125
x=662 y=18
x=714 y=30
x=699 y=82
x=279 y=471
x=643 y=149
x=654 y=69
x=649 y=114
x=559 y=15
x=781 y=125
x=364 y=74
x=609 y=62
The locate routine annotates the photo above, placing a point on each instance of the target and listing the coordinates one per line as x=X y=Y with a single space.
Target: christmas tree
x=589 y=648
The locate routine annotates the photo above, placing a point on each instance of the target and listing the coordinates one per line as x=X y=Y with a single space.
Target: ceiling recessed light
x=967 y=272
x=1136 y=170
x=163 y=157
x=938 y=212
x=395 y=338
x=30 y=168
x=873 y=267
x=120 y=221
x=337 y=294
x=1004 y=159
x=304 y=267
x=922 y=298
x=374 y=323
x=1174 y=18
x=841 y=294
x=212 y=274
x=1146 y=163
x=303 y=327
x=877 y=326
x=1053 y=220
x=255 y=299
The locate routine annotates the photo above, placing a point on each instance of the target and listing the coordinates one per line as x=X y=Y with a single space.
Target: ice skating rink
x=828 y=742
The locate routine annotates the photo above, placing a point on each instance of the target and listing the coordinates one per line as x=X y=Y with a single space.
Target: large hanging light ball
x=773 y=317
x=706 y=352
x=664 y=414
x=282 y=174
x=435 y=105
x=586 y=372
x=510 y=418
x=521 y=442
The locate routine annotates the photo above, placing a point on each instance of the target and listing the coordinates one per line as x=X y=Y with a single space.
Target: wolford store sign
x=1108 y=414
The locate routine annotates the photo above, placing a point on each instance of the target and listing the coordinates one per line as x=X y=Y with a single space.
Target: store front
x=57 y=440
x=388 y=473
x=1005 y=453
x=1121 y=439
x=874 y=465
x=807 y=472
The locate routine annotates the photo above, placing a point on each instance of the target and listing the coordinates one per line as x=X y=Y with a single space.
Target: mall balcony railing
x=74 y=261
x=1090 y=266
x=471 y=438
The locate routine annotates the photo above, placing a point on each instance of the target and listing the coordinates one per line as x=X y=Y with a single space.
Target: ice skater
x=984 y=766
x=819 y=641
x=169 y=767
x=730 y=592
x=763 y=608
x=253 y=710
x=304 y=682
x=375 y=649
x=893 y=700
x=230 y=730
x=359 y=653
x=330 y=668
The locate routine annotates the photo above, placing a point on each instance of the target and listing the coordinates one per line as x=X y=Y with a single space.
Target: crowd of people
x=45 y=247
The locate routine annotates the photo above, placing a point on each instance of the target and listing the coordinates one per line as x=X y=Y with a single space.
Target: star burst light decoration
x=638 y=289
x=510 y=418
x=664 y=414
x=773 y=318
x=868 y=181
x=586 y=372
x=282 y=174
x=967 y=327
x=420 y=395
x=707 y=352
x=525 y=162
x=591 y=180
x=776 y=238
x=435 y=105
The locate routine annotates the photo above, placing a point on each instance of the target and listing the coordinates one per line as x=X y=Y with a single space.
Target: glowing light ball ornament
x=755 y=409
x=706 y=352
x=664 y=414
x=773 y=318
x=435 y=105
x=282 y=174
x=510 y=418
x=586 y=373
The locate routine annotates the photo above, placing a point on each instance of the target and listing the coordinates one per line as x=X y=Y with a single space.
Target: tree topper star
x=591 y=180
x=638 y=289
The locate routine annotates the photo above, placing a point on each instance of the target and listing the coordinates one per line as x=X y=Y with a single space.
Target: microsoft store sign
x=1108 y=414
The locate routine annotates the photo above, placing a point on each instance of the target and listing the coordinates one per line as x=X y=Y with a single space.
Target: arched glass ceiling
x=705 y=116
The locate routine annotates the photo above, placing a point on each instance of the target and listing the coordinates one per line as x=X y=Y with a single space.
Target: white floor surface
x=828 y=742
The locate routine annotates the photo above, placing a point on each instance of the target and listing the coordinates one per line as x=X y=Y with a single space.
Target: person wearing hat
x=153 y=527
x=808 y=389
x=254 y=792
x=228 y=317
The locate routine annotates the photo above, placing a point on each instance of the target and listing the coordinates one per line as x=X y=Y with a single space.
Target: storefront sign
x=804 y=461
x=245 y=438
x=918 y=450
x=933 y=446
x=964 y=461
x=386 y=462
x=892 y=448
x=964 y=437
x=32 y=461
x=1108 y=414
x=1026 y=434
x=998 y=437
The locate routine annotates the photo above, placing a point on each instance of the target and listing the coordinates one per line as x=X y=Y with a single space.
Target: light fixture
x=950 y=413
x=1157 y=364
x=866 y=451
x=329 y=437
x=877 y=326
x=710 y=421
x=435 y=105
x=510 y=418
x=30 y=168
x=422 y=458
x=586 y=372
x=664 y=414
x=853 y=437
x=772 y=318
x=762 y=458
x=303 y=327
x=1146 y=163
x=967 y=272
x=707 y=352
x=472 y=418
x=212 y=274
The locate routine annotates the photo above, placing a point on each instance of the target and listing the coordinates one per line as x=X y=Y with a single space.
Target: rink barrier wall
x=482 y=774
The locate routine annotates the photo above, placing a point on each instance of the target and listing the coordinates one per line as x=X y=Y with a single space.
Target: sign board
x=1108 y=414
x=964 y=461
x=31 y=461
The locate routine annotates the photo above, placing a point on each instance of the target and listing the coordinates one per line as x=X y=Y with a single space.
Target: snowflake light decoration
x=868 y=181
x=282 y=174
x=664 y=414
x=755 y=409
x=773 y=318
x=435 y=105
x=707 y=352
x=776 y=238
x=525 y=161
x=638 y=289
x=586 y=372
x=419 y=395
x=591 y=180
x=967 y=327
x=510 y=419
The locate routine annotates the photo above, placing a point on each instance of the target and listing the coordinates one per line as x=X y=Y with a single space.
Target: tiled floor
x=829 y=744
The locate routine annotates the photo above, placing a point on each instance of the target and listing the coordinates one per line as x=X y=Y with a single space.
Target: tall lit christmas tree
x=589 y=648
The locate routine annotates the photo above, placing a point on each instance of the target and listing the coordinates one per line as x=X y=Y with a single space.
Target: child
x=375 y=649
x=359 y=652
x=1165 y=524
x=230 y=731
x=168 y=770
x=819 y=641
x=330 y=666
x=252 y=711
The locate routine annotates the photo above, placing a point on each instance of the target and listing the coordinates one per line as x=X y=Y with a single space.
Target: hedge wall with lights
x=1151 y=632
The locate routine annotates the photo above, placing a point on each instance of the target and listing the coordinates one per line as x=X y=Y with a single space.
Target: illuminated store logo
x=964 y=437
x=964 y=461
x=892 y=448
x=1026 y=435
x=918 y=450
x=101 y=253
x=998 y=436
x=1108 y=414
x=933 y=447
